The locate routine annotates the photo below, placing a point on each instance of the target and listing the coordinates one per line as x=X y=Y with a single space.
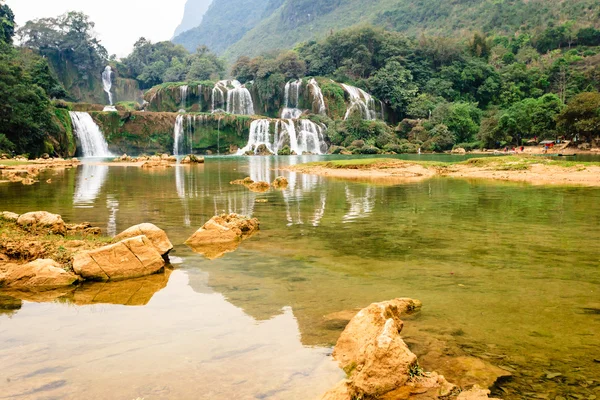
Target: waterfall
x=183 y=135
x=259 y=135
x=292 y=98
x=311 y=138
x=107 y=82
x=239 y=100
x=183 y=91
x=317 y=96
x=302 y=136
x=218 y=98
x=93 y=143
x=362 y=101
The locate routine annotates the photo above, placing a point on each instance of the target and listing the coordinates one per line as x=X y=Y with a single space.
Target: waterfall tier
x=93 y=143
x=291 y=108
x=232 y=97
x=317 y=94
x=183 y=134
x=361 y=101
x=301 y=136
x=183 y=91
x=107 y=83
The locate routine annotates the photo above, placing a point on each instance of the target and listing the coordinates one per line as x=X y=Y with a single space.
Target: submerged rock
x=129 y=258
x=378 y=362
x=280 y=183
x=245 y=181
x=222 y=234
x=157 y=236
x=43 y=220
x=259 y=187
x=36 y=274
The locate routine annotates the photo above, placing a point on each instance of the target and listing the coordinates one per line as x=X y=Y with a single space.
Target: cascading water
x=259 y=135
x=292 y=98
x=362 y=101
x=317 y=96
x=107 y=83
x=183 y=135
x=239 y=100
x=218 y=98
x=93 y=143
x=183 y=91
x=302 y=136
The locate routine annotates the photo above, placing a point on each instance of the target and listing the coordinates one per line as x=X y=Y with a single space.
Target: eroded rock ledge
x=38 y=250
x=379 y=364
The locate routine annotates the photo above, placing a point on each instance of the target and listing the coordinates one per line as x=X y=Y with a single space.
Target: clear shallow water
x=507 y=272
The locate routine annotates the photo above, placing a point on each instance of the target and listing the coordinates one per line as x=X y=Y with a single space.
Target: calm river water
x=507 y=272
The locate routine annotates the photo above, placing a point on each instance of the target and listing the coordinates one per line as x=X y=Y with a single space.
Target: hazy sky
x=119 y=23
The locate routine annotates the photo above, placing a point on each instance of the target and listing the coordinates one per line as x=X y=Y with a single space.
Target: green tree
x=7 y=24
x=581 y=117
x=393 y=84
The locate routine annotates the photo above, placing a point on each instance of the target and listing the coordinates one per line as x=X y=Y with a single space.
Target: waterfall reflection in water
x=90 y=180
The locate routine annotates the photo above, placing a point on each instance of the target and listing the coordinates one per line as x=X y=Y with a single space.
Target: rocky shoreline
x=39 y=251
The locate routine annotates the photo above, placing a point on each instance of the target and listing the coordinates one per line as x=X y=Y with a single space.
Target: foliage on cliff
x=155 y=63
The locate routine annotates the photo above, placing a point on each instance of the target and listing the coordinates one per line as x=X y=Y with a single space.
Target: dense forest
x=483 y=90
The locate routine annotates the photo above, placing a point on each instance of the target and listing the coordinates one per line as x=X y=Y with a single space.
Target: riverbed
x=507 y=272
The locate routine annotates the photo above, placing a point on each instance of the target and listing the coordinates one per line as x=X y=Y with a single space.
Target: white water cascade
x=93 y=143
x=292 y=98
x=302 y=136
x=183 y=91
x=183 y=134
x=362 y=101
x=239 y=100
x=317 y=96
x=107 y=83
x=218 y=98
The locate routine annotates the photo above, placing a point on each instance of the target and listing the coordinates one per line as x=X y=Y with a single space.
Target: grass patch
x=24 y=245
x=12 y=163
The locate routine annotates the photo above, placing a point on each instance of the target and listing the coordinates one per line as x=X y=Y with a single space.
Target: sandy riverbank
x=517 y=169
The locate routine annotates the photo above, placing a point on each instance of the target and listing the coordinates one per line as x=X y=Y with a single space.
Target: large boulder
x=371 y=350
x=36 y=274
x=129 y=258
x=222 y=234
x=157 y=236
x=378 y=362
x=43 y=220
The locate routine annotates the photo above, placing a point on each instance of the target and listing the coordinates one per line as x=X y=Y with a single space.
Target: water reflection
x=182 y=344
x=90 y=180
x=113 y=206
x=361 y=201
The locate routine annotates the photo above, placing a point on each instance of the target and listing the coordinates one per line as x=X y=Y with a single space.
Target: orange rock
x=157 y=236
x=129 y=258
x=38 y=273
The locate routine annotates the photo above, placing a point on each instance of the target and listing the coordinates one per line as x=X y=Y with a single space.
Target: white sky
x=119 y=23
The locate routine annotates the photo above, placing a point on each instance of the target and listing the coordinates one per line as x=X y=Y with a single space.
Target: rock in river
x=157 y=236
x=379 y=364
x=129 y=258
x=222 y=234
x=36 y=274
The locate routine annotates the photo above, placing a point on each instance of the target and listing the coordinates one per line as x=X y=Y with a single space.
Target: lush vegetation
x=28 y=124
x=488 y=91
x=155 y=63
